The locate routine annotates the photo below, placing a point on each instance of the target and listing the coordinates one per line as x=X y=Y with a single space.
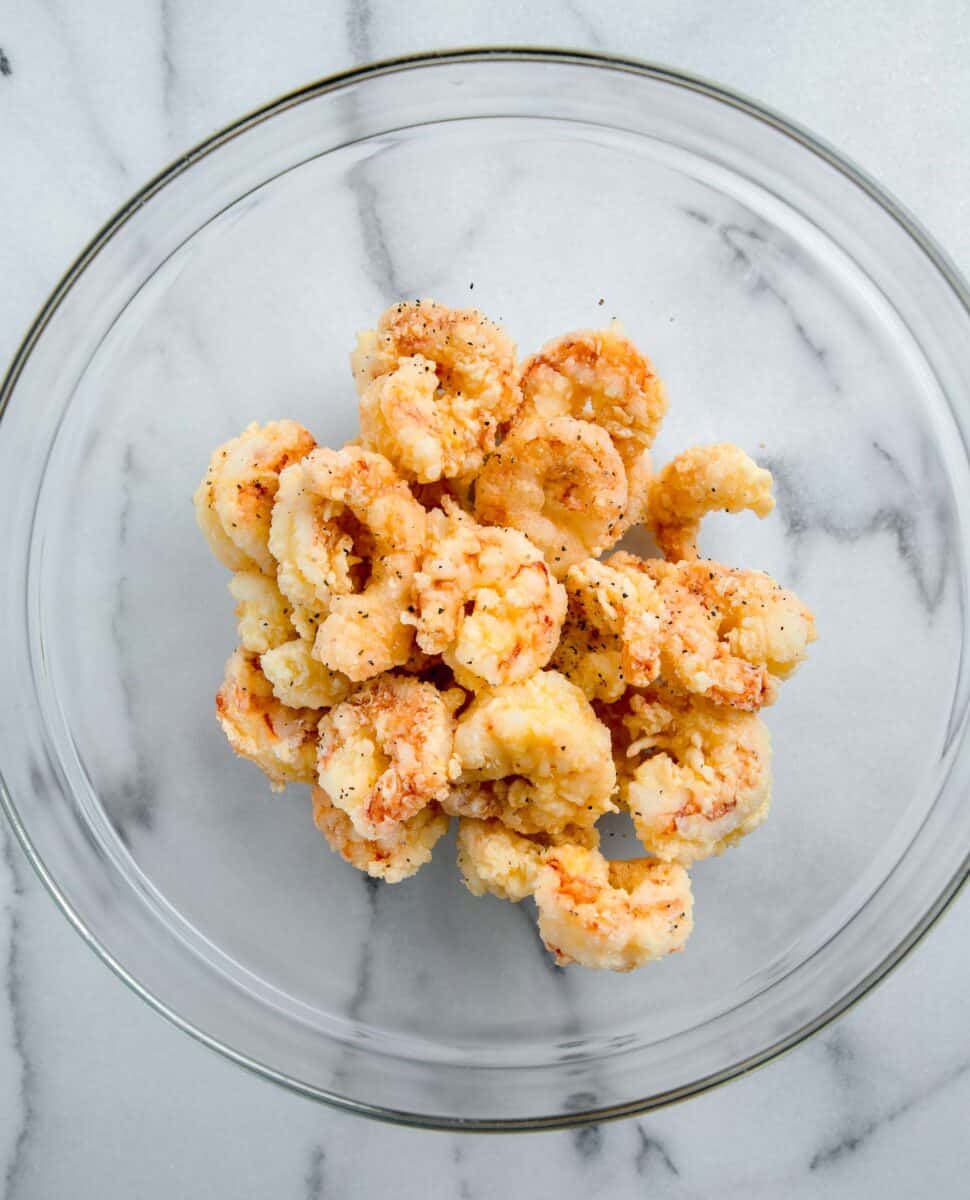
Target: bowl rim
x=478 y=54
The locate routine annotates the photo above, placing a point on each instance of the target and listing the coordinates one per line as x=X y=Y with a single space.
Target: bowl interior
x=771 y=327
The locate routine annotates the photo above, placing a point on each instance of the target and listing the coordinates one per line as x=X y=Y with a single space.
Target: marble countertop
x=98 y=1095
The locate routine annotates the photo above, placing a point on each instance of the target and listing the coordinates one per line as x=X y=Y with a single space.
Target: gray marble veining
x=11 y=975
x=98 y=1096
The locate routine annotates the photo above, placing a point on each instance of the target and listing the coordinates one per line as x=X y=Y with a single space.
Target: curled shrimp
x=697 y=776
x=485 y=600
x=601 y=376
x=611 y=915
x=386 y=752
x=702 y=480
x=436 y=385
x=393 y=858
x=562 y=483
x=234 y=501
x=281 y=741
x=613 y=631
x=730 y=635
x=498 y=861
x=262 y=612
x=299 y=680
x=534 y=754
x=347 y=533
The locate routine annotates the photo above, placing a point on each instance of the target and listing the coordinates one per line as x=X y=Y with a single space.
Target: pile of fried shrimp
x=432 y=627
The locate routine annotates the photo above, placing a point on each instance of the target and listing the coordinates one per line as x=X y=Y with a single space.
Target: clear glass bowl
x=791 y=307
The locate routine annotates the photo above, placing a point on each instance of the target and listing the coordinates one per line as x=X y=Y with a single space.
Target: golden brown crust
x=702 y=480
x=426 y=629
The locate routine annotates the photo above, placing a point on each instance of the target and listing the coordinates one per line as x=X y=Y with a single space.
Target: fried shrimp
x=386 y=752
x=698 y=775
x=485 y=600
x=299 y=680
x=730 y=635
x=280 y=740
x=429 y=628
x=262 y=612
x=612 y=635
x=534 y=754
x=404 y=852
x=496 y=860
x=234 y=501
x=436 y=385
x=601 y=376
x=505 y=864
x=702 y=480
x=611 y=915
x=336 y=511
x=639 y=475
x=562 y=483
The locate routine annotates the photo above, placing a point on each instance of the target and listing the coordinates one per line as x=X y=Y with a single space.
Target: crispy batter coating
x=262 y=611
x=613 y=631
x=562 y=483
x=730 y=635
x=399 y=856
x=347 y=533
x=234 y=501
x=534 y=754
x=427 y=630
x=281 y=741
x=701 y=480
x=639 y=476
x=496 y=860
x=611 y=915
x=485 y=600
x=386 y=752
x=598 y=374
x=697 y=776
x=321 y=547
x=436 y=385
x=299 y=680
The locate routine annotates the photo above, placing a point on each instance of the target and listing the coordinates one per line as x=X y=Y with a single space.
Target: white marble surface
x=100 y=1097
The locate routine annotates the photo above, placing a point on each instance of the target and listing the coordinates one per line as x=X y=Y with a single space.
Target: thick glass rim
x=526 y=54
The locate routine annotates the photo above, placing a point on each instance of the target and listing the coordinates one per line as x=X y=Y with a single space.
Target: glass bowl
x=791 y=307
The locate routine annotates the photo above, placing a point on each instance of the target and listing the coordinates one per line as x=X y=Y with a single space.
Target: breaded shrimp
x=730 y=635
x=613 y=631
x=506 y=864
x=299 y=680
x=611 y=915
x=281 y=741
x=436 y=385
x=537 y=754
x=639 y=475
x=704 y=479
x=485 y=600
x=335 y=510
x=386 y=752
x=497 y=860
x=234 y=501
x=392 y=859
x=601 y=376
x=262 y=612
x=562 y=483
x=320 y=546
x=701 y=774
